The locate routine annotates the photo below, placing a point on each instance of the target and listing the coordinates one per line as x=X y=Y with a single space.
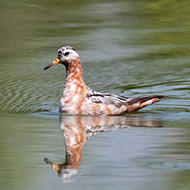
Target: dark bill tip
x=56 y=61
x=47 y=67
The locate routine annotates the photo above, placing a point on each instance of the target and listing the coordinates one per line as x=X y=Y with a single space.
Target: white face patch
x=70 y=54
x=67 y=53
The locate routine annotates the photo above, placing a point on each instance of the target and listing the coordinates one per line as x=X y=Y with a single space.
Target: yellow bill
x=55 y=62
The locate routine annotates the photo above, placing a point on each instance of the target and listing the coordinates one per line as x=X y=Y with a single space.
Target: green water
x=131 y=48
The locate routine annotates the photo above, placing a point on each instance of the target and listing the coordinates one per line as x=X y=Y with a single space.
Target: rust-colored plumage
x=77 y=130
x=77 y=98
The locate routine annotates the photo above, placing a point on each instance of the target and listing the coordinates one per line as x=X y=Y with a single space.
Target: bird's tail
x=135 y=104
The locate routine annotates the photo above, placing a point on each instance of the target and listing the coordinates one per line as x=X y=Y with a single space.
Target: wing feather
x=105 y=98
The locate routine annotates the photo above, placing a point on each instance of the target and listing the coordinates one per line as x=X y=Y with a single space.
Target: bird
x=79 y=99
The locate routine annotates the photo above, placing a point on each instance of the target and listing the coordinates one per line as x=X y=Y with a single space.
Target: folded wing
x=131 y=104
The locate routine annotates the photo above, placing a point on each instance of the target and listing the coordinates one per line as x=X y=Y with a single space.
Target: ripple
x=171 y=166
x=34 y=95
x=26 y=96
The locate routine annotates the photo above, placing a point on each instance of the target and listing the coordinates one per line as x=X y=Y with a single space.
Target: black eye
x=66 y=53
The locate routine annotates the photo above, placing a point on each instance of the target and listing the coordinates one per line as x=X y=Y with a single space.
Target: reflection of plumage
x=77 y=129
x=79 y=99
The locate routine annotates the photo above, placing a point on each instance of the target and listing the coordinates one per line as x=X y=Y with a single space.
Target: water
x=131 y=48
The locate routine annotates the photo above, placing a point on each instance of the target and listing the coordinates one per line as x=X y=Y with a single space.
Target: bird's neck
x=74 y=71
x=74 y=74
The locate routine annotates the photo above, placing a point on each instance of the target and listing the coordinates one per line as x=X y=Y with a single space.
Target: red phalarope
x=77 y=98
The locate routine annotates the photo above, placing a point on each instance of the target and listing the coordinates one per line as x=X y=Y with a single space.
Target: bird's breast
x=73 y=95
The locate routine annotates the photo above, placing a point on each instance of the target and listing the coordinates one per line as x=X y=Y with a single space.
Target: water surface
x=131 y=48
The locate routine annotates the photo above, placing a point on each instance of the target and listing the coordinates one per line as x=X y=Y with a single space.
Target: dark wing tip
x=161 y=97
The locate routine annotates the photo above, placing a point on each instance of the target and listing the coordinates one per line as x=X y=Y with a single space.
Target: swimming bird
x=79 y=99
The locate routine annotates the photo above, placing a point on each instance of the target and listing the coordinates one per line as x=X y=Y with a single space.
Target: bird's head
x=64 y=56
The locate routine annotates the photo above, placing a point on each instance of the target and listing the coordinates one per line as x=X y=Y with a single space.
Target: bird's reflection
x=77 y=129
